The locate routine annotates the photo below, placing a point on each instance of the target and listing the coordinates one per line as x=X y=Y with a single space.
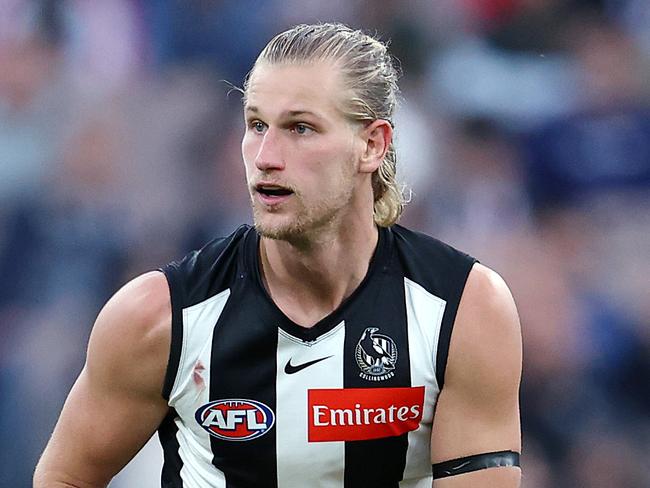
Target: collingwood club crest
x=376 y=355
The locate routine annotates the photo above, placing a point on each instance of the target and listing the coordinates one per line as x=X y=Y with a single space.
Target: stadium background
x=524 y=134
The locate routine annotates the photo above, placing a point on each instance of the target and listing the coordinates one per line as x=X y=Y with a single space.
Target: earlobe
x=378 y=135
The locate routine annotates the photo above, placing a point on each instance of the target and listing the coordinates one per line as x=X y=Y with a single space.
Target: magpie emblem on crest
x=376 y=355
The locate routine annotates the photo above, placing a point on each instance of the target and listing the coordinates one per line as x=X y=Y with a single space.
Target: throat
x=308 y=300
x=308 y=287
x=308 y=303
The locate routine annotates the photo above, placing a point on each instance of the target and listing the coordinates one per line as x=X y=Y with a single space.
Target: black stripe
x=499 y=459
x=171 y=471
x=243 y=366
x=177 y=304
x=378 y=463
x=456 y=285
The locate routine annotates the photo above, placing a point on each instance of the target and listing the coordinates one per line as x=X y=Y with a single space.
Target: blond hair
x=370 y=75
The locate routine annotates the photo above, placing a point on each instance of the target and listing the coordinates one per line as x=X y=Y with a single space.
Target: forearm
x=65 y=462
x=486 y=478
x=48 y=477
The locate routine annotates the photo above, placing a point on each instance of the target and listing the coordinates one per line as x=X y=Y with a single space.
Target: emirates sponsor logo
x=353 y=414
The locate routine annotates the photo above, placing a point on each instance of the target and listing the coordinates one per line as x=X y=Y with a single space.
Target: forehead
x=316 y=87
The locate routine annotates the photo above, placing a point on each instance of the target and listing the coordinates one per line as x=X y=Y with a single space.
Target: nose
x=269 y=153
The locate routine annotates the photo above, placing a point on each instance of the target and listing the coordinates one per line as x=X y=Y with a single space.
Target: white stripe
x=198 y=470
x=326 y=468
x=192 y=389
x=424 y=317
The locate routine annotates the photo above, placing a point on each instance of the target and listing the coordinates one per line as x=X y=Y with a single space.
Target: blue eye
x=302 y=129
x=257 y=126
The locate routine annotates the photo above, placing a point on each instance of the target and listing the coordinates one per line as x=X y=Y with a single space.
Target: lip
x=272 y=200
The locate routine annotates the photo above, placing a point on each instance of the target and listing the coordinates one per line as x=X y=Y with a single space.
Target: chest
x=356 y=390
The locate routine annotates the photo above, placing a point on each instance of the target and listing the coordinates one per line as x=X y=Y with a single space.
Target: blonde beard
x=308 y=222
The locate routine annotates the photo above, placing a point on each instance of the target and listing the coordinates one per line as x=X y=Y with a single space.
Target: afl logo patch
x=235 y=419
x=376 y=355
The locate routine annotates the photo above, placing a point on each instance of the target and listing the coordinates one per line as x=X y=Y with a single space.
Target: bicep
x=478 y=408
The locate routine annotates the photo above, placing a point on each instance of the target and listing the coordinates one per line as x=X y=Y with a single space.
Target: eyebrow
x=290 y=113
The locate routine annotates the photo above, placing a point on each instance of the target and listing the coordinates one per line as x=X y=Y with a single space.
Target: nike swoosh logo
x=291 y=369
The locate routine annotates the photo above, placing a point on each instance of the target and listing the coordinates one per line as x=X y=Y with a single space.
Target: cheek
x=337 y=161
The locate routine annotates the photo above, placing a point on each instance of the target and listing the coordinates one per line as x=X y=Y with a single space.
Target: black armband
x=474 y=463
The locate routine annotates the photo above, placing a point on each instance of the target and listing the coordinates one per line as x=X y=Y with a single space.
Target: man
x=310 y=350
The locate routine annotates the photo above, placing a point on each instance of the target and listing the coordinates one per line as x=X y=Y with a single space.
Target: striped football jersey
x=258 y=401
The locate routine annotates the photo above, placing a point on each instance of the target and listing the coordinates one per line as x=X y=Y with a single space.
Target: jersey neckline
x=378 y=261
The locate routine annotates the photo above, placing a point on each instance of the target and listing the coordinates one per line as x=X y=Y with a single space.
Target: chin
x=277 y=228
x=296 y=226
x=280 y=233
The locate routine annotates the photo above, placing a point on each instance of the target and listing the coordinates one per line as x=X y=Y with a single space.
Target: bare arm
x=116 y=403
x=478 y=408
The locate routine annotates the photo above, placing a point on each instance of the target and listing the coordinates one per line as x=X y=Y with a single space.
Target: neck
x=310 y=279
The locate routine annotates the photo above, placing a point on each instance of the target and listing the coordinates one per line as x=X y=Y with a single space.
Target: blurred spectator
x=226 y=35
x=586 y=172
x=64 y=253
x=32 y=97
x=471 y=77
x=597 y=160
x=104 y=45
x=605 y=145
x=478 y=192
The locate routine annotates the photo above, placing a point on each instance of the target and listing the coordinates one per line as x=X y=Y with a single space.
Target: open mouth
x=273 y=191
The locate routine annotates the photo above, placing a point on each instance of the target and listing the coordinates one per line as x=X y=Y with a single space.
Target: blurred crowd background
x=523 y=136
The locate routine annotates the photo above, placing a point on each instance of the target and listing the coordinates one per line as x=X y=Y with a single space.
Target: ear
x=377 y=137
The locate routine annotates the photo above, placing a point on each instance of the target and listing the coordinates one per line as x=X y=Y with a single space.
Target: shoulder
x=206 y=271
x=130 y=342
x=439 y=267
x=487 y=305
x=485 y=352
